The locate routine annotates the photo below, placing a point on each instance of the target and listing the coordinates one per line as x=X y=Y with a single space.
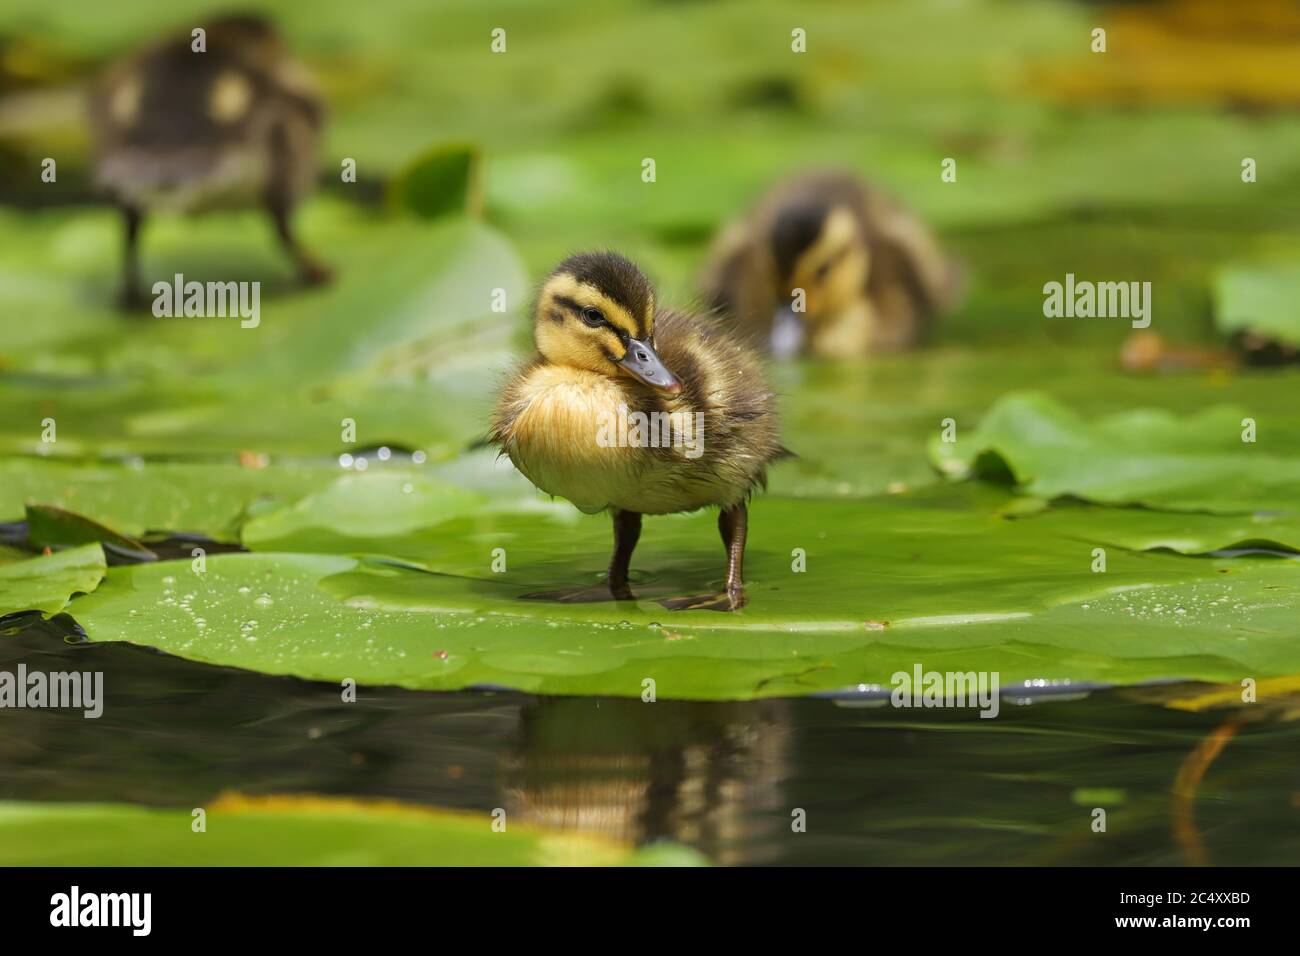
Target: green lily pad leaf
x=425 y=416
x=1182 y=531
x=205 y=499
x=50 y=527
x=442 y=181
x=360 y=508
x=886 y=579
x=48 y=582
x=398 y=512
x=1261 y=299
x=1147 y=457
x=417 y=372
x=295 y=830
x=862 y=428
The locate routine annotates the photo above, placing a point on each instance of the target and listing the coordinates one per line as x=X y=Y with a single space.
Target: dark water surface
x=877 y=785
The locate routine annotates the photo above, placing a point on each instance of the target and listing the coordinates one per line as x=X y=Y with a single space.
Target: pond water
x=875 y=785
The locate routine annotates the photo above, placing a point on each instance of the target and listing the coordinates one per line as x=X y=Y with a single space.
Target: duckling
x=233 y=126
x=608 y=354
x=872 y=276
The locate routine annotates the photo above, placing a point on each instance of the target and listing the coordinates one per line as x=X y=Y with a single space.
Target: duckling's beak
x=644 y=362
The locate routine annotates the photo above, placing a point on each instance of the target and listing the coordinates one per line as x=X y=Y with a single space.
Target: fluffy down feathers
x=909 y=279
x=174 y=128
x=551 y=418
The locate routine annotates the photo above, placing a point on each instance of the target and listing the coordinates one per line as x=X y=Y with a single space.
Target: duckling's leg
x=279 y=203
x=131 y=295
x=627 y=530
x=310 y=271
x=733 y=525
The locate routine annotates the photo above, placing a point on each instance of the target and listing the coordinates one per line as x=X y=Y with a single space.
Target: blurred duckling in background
x=872 y=275
x=233 y=126
x=606 y=352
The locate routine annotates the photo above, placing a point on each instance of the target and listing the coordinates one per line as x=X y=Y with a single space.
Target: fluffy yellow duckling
x=825 y=265
x=571 y=420
x=232 y=125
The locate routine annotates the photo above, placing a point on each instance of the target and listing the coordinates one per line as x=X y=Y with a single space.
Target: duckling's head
x=596 y=311
x=821 y=248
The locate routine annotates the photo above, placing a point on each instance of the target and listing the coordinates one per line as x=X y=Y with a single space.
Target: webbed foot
x=729 y=600
x=313 y=273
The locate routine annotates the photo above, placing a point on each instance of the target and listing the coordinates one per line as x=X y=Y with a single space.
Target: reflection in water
x=693 y=773
x=878 y=785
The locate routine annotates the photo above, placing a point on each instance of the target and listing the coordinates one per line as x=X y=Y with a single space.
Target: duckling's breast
x=585 y=437
x=553 y=423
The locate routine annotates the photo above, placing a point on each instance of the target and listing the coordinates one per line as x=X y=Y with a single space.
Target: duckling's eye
x=824 y=269
x=593 y=317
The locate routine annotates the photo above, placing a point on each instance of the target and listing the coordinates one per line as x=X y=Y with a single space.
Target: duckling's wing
x=911 y=249
x=723 y=379
x=738 y=282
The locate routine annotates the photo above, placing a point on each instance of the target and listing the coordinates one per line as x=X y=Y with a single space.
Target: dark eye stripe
x=568 y=303
x=639 y=330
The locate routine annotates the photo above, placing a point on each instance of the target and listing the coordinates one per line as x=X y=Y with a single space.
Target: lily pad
x=294 y=830
x=1186 y=532
x=48 y=582
x=1146 y=456
x=362 y=506
x=1261 y=299
x=416 y=371
x=50 y=527
x=889 y=582
x=208 y=499
x=442 y=181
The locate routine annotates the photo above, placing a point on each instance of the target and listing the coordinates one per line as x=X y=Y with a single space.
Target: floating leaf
x=1259 y=299
x=890 y=581
x=47 y=583
x=50 y=527
x=1184 y=531
x=1144 y=456
x=405 y=341
x=207 y=499
x=295 y=830
x=361 y=506
x=442 y=181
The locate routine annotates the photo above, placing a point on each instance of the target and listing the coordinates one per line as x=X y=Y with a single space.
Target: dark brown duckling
x=233 y=126
x=872 y=276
